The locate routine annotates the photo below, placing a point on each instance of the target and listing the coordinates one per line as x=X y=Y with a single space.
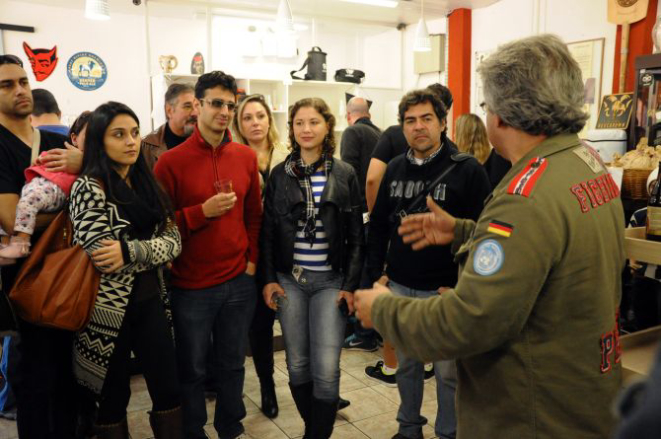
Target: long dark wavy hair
x=98 y=165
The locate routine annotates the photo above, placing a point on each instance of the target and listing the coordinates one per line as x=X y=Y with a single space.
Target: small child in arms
x=44 y=191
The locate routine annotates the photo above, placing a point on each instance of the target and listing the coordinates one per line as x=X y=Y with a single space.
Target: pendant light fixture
x=97 y=10
x=284 y=20
x=422 y=41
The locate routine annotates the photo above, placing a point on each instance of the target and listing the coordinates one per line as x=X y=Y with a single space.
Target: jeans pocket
x=250 y=279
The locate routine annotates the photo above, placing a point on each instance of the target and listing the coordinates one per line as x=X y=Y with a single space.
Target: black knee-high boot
x=269 y=400
x=112 y=431
x=167 y=424
x=323 y=418
x=302 y=395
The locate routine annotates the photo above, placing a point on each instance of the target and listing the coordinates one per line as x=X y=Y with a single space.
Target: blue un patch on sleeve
x=488 y=258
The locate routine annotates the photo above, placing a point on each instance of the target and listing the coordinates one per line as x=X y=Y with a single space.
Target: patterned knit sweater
x=94 y=219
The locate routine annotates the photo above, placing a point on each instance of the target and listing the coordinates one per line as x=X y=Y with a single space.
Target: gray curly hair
x=534 y=85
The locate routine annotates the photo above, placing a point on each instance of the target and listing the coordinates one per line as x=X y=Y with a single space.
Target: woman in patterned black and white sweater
x=124 y=221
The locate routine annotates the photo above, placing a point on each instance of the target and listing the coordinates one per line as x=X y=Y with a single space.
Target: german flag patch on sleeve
x=525 y=181
x=500 y=228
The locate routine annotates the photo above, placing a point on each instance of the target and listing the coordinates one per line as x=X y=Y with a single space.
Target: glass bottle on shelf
x=653 y=223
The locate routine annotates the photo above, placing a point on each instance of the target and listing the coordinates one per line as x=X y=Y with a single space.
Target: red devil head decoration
x=43 y=61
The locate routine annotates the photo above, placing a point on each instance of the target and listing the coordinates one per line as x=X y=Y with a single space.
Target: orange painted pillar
x=459 y=60
x=640 y=43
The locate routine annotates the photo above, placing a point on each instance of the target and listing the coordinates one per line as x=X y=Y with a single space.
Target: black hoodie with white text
x=461 y=193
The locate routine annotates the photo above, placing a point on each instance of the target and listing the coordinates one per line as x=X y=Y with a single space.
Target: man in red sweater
x=214 y=185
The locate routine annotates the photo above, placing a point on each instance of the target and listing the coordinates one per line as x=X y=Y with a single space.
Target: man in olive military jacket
x=532 y=320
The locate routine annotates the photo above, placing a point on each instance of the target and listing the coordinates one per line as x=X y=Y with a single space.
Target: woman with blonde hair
x=471 y=138
x=253 y=125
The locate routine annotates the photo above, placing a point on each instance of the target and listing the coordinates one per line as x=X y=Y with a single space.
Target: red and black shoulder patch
x=525 y=181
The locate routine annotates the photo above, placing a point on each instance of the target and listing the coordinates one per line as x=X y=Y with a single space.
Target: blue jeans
x=410 y=383
x=313 y=331
x=4 y=361
x=223 y=311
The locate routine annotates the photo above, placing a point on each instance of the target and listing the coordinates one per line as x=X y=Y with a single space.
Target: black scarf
x=295 y=167
x=137 y=206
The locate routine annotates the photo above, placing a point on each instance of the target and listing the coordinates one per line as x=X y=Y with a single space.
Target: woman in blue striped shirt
x=312 y=239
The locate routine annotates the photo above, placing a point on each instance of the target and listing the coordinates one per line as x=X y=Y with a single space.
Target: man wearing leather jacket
x=181 y=111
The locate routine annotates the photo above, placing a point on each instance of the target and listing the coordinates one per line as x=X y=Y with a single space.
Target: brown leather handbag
x=58 y=283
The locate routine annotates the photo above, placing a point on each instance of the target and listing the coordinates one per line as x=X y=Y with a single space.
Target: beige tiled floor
x=371 y=414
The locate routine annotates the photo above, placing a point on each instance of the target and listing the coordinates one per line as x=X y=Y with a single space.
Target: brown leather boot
x=167 y=424
x=112 y=431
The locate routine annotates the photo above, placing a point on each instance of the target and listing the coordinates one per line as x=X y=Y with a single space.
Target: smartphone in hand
x=344 y=308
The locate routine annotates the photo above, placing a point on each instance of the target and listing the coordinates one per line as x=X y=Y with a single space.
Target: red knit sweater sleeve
x=253 y=213
x=190 y=218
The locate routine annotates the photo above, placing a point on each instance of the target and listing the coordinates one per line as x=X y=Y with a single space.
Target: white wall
x=347 y=46
x=571 y=20
x=176 y=30
x=119 y=42
x=181 y=37
x=411 y=79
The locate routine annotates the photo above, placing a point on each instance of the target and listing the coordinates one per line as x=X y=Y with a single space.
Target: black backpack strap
x=421 y=199
x=302 y=67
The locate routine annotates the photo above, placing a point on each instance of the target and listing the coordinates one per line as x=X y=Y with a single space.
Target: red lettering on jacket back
x=598 y=190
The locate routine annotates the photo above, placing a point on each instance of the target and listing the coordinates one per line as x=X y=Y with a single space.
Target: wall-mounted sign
x=615 y=111
x=197 y=64
x=87 y=71
x=43 y=61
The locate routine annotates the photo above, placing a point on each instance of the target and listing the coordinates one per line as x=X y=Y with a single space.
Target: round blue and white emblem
x=488 y=258
x=87 y=71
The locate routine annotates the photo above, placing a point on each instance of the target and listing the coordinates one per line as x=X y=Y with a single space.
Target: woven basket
x=634 y=184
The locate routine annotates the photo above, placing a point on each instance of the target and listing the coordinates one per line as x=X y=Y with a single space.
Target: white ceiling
x=407 y=12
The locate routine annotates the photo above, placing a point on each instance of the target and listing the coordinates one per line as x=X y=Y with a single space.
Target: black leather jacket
x=340 y=212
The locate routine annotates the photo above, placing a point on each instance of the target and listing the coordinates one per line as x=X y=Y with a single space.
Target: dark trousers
x=42 y=378
x=146 y=332
x=358 y=329
x=224 y=312
x=261 y=339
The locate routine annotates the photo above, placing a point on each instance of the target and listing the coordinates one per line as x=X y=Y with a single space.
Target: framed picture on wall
x=589 y=54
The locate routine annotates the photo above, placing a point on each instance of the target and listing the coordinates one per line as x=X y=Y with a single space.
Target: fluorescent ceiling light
x=97 y=10
x=284 y=20
x=382 y=3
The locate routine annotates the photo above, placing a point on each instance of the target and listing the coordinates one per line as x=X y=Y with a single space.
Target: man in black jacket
x=422 y=274
x=359 y=140
x=40 y=360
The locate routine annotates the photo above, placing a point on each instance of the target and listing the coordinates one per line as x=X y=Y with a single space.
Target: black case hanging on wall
x=316 y=64
x=349 y=75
